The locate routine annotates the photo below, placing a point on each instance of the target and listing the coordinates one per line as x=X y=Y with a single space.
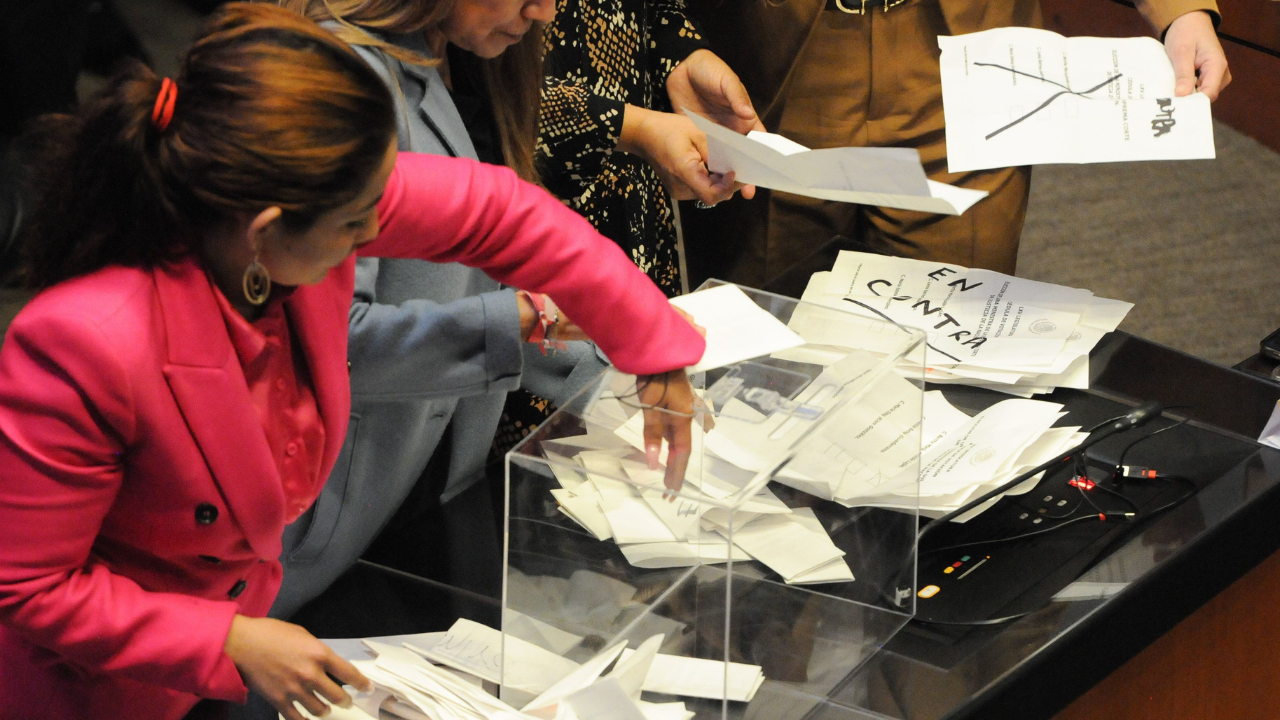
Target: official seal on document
x=982 y=456
x=1040 y=327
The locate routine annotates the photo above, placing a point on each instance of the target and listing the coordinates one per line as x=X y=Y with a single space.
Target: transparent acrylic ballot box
x=783 y=561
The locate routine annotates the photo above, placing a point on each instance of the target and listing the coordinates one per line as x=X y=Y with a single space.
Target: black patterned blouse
x=602 y=55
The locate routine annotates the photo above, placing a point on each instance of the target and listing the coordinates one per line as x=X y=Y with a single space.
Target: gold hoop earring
x=257 y=282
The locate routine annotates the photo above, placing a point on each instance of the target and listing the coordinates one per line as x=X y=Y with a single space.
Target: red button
x=291 y=449
x=280 y=383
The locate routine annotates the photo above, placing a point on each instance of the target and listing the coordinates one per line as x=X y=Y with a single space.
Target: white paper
x=885 y=177
x=585 y=511
x=1271 y=432
x=790 y=545
x=603 y=700
x=479 y=650
x=335 y=713
x=586 y=674
x=632 y=669
x=974 y=453
x=436 y=691
x=696 y=677
x=1021 y=96
x=984 y=329
x=632 y=520
x=682 y=554
x=737 y=328
x=835 y=571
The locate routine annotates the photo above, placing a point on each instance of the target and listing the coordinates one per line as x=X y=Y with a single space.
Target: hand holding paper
x=1022 y=96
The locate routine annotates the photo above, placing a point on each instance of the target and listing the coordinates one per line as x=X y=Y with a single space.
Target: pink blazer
x=139 y=506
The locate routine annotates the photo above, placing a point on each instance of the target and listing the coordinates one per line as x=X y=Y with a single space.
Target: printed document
x=983 y=328
x=1021 y=96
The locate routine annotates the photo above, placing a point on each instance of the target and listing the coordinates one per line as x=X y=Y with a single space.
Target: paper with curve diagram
x=1021 y=96
x=884 y=177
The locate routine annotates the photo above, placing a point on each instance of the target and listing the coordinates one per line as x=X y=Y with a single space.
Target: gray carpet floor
x=1192 y=244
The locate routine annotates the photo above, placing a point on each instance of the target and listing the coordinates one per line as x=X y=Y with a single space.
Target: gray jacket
x=429 y=344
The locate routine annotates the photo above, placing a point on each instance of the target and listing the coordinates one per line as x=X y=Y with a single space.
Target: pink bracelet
x=548 y=316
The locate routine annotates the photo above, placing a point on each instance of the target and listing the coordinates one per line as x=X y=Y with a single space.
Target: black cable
x=1085 y=496
x=1192 y=489
x=1120 y=461
x=974 y=623
x=1011 y=538
x=1103 y=424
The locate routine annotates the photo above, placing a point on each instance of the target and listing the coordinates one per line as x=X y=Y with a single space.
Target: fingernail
x=652 y=453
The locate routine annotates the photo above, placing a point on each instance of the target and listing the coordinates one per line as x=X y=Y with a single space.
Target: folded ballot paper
x=441 y=676
x=885 y=177
x=858 y=457
x=983 y=328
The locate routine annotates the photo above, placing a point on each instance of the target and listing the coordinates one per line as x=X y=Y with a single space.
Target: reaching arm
x=455 y=210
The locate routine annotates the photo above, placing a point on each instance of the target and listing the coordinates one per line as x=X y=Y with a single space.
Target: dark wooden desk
x=1171 y=658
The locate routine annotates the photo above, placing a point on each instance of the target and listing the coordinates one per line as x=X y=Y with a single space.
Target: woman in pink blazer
x=164 y=412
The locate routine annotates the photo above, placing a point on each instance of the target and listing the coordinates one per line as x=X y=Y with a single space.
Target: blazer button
x=206 y=514
x=236 y=589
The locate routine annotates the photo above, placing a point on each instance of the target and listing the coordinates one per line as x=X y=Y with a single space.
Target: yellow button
x=948 y=570
x=929 y=591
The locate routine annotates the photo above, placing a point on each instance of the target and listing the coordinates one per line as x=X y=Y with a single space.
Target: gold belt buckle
x=862 y=8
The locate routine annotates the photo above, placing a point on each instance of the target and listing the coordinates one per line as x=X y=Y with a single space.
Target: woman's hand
x=285 y=663
x=704 y=84
x=677 y=150
x=668 y=401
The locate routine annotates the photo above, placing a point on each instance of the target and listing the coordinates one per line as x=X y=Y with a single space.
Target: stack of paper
x=865 y=455
x=964 y=457
x=716 y=503
x=983 y=328
x=440 y=675
x=874 y=451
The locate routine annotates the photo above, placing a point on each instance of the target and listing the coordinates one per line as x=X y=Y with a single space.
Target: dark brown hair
x=271 y=111
x=513 y=80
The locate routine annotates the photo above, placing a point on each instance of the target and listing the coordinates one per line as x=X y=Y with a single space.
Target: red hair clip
x=162 y=113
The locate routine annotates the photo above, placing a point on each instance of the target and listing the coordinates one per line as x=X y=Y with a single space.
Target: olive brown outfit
x=829 y=78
